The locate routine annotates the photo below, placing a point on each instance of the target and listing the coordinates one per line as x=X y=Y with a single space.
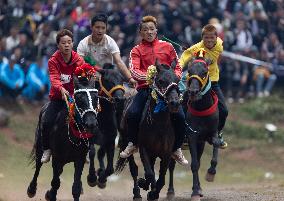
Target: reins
x=109 y=93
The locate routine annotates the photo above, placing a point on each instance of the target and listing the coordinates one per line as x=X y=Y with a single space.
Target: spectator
x=12 y=40
x=37 y=82
x=11 y=78
x=264 y=77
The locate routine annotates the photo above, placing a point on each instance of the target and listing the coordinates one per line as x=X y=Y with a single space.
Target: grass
x=247 y=160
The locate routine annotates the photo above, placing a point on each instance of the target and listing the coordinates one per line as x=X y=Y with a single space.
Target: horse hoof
x=170 y=194
x=137 y=199
x=142 y=184
x=92 y=180
x=47 y=197
x=209 y=177
x=195 y=198
x=152 y=196
x=102 y=185
x=31 y=192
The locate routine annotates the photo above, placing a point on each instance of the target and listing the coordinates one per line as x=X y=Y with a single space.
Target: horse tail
x=35 y=153
x=120 y=165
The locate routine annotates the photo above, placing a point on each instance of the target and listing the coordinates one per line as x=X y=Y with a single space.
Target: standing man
x=213 y=46
x=61 y=67
x=99 y=48
x=141 y=57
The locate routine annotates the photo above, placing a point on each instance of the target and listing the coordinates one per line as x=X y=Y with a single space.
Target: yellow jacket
x=212 y=54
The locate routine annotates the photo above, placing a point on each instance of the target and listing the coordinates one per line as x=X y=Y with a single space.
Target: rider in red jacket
x=145 y=54
x=61 y=67
x=141 y=57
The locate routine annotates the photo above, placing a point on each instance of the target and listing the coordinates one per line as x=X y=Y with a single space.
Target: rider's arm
x=54 y=75
x=121 y=66
x=134 y=65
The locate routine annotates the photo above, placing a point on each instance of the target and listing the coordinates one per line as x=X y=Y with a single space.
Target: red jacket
x=61 y=73
x=145 y=54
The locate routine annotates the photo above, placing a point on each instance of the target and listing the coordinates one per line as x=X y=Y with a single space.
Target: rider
x=99 y=48
x=61 y=67
x=141 y=57
x=213 y=46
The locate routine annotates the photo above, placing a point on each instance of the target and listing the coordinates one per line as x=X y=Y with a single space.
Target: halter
x=91 y=108
x=204 y=80
x=110 y=92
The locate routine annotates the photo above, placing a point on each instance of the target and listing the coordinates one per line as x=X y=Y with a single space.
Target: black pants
x=223 y=110
x=135 y=114
x=48 y=120
x=8 y=92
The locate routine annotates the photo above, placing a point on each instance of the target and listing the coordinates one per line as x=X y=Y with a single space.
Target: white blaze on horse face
x=148 y=31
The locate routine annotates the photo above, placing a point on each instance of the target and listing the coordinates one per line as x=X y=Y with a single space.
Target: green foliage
x=265 y=109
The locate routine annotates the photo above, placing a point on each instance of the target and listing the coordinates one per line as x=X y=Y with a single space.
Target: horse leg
x=101 y=171
x=77 y=184
x=37 y=150
x=31 y=191
x=92 y=177
x=211 y=172
x=134 y=173
x=55 y=183
x=171 y=190
x=149 y=173
x=154 y=194
x=195 y=196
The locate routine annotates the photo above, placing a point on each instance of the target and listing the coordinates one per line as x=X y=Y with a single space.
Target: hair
x=146 y=19
x=208 y=28
x=102 y=17
x=63 y=32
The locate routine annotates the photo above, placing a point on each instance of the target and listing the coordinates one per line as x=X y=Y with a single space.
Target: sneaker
x=223 y=144
x=46 y=156
x=179 y=157
x=128 y=151
x=266 y=93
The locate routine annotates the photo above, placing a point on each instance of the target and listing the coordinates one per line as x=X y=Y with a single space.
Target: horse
x=202 y=118
x=65 y=146
x=111 y=95
x=153 y=139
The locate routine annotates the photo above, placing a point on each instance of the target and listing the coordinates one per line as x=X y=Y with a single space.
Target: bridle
x=109 y=93
x=91 y=108
x=163 y=92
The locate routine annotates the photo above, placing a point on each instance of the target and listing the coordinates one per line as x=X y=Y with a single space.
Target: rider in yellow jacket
x=213 y=45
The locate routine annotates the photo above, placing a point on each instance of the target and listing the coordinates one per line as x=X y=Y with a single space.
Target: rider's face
x=98 y=31
x=65 y=45
x=148 y=31
x=209 y=39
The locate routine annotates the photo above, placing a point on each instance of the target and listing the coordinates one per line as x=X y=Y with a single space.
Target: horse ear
x=173 y=64
x=158 y=65
x=208 y=61
x=75 y=81
x=101 y=71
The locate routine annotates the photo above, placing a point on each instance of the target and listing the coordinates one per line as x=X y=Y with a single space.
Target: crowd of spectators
x=251 y=28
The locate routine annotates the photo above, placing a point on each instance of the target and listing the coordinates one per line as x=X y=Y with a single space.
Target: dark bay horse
x=111 y=95
x=156 y=133
x=65 y=146
x=203 y=119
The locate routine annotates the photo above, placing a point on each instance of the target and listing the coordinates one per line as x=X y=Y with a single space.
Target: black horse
x=111 y=94
x=65 y=146
x=156 y=133
x=203 y=119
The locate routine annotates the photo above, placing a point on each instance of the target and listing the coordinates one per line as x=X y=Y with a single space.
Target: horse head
x=111 y=84
x=86 y=103
x=197 y=78
x=165 y=85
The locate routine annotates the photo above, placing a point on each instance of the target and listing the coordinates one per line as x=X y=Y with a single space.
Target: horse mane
x=108 y=66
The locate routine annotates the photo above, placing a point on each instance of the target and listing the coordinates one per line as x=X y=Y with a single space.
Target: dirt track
x=121 y=190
